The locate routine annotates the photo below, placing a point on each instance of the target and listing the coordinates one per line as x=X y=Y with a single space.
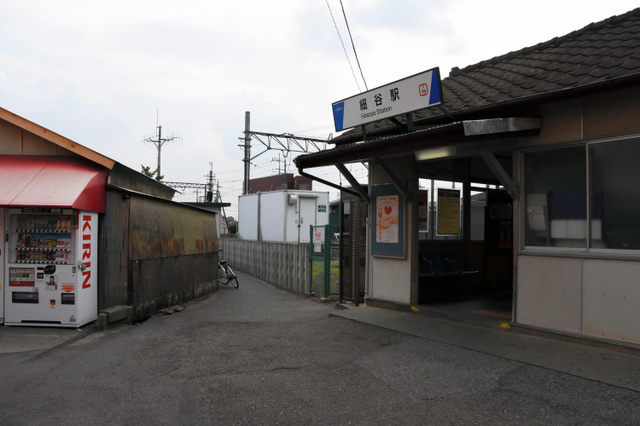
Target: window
x=557 y=210
x=615 y=195
x=555 y=203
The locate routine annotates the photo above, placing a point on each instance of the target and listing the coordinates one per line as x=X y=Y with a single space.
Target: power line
x=344 y=48
x=353 y=45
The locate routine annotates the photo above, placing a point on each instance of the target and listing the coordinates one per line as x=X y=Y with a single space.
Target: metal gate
x=324 y=268
x=353 y=246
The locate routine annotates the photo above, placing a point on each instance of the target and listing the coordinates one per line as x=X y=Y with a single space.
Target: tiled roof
x=600 y=53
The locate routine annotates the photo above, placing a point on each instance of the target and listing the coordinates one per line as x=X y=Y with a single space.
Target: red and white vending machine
x=51 y=268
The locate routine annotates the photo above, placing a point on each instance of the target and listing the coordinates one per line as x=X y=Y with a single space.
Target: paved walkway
x=606 y=365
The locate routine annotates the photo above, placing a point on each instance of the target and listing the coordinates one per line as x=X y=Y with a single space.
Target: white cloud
x=98 y=73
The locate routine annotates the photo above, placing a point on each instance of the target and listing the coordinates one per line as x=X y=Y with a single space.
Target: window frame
x=587 y=251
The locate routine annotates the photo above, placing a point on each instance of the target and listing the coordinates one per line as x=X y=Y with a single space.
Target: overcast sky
x=104 y=74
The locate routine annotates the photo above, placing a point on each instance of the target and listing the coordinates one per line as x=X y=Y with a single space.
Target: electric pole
x=247 y=151
x=285 y=142
x=209 y=194
x=158 y=143
x=285 y=183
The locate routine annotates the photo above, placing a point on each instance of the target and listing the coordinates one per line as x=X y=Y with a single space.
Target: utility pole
x=158 y=143
x=285 y=142
x=285 y=182
x=247 y=151
x=209 y=194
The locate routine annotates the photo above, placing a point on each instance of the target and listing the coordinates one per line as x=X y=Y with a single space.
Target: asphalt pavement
x=259 y=355
x=615 y=366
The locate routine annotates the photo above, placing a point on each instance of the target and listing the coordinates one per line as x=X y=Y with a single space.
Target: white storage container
x=281 y=216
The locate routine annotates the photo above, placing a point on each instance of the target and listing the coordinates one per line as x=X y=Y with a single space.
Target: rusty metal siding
x=169 y=281
x=173 y=253
x=124 y=177
x=113 y=286
x=160 y=229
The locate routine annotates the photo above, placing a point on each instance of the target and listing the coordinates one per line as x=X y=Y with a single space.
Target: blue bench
x=442 y=263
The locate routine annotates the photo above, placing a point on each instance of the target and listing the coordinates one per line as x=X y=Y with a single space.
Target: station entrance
x=465 y=239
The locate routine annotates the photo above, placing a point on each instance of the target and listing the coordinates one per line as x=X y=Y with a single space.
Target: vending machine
x=2 y=254
x=51 y=268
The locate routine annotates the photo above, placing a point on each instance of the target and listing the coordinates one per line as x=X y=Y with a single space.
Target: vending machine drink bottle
x=51 y=268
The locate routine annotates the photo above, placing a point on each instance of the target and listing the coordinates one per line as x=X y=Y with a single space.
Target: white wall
x=611 y=299
x=549 y=293
x=291 y=224
x=593 y=297
x=390 y=278
x=274 y=216
x=248 y=217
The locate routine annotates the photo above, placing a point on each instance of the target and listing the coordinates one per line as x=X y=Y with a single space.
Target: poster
x=448 y=219
x=318 y=239
x=387 y=222
x=387 y=219
x=22 y=277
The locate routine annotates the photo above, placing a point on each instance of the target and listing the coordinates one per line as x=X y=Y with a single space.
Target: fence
x=325 y=261
x=281 y=264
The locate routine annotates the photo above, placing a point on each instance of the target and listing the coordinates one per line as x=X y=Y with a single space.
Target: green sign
x=322 y=208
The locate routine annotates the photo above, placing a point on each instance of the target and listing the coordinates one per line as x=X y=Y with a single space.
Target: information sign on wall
x=448 y=218
x=318 y=239
x=400 y=97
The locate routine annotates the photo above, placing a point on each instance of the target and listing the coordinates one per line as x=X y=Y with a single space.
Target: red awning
x=52 y=181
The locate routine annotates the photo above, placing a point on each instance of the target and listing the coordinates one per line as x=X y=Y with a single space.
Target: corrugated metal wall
x=154 y=253
x=10 y=139
x=173 y=253
x=162 y=229
x=113 y=287
x=16 y=141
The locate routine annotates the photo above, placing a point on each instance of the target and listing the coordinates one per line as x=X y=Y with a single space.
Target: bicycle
x=226 y=274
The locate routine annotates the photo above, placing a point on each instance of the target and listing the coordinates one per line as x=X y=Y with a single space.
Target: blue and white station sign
x=409 y=94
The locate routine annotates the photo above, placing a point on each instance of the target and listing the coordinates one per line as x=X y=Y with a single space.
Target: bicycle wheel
x=234 y=282
x=233 y=279
x=223 y=278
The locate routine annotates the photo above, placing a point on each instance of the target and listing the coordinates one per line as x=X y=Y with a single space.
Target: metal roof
x=598 y=56
x=52 y=181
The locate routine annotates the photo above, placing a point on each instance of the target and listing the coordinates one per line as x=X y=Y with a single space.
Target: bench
x=442 y=263
x=442 y=276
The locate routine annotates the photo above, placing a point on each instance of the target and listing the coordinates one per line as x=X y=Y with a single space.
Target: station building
x=546 y=140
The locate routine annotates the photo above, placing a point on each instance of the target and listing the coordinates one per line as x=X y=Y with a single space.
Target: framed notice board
x=388 y=222
x=448 y=217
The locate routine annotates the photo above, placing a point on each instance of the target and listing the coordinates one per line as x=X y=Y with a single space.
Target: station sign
x=400 y=97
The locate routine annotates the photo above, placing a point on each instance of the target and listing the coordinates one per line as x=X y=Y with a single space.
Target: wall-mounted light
x=434 y=153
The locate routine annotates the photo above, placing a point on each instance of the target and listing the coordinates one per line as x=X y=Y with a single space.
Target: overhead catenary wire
x=343 y=47
x=353 y=45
